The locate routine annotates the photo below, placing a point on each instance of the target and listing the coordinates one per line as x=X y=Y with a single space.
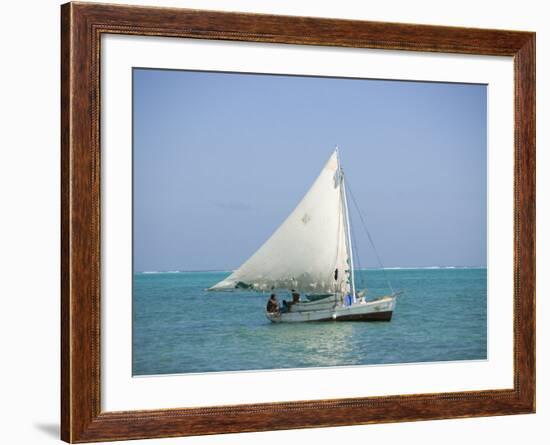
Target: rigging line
x=356 y=252
x=370 y=239
x=351 y=275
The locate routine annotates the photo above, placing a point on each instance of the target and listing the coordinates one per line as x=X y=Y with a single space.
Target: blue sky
x=221 y=159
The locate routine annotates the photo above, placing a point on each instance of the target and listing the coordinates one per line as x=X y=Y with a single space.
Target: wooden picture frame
x=82 y=25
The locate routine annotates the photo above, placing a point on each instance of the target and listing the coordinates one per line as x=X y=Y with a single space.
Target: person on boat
x=287 y=305
x=272 y=304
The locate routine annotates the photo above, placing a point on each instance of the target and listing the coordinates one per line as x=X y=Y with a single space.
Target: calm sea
x=179 y=328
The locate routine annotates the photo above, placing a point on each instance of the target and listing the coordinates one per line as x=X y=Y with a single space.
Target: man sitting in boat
x=272 y=304
x=295 y=299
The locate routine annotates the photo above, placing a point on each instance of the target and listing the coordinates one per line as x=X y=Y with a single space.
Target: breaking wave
x=422 y=267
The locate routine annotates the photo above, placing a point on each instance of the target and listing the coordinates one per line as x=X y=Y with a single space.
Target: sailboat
x=310 y=255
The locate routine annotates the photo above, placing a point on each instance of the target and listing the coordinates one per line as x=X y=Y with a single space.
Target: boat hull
x=374 y=316
x=378 y=310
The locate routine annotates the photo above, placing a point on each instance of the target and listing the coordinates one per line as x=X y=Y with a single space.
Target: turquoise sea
x=178 y=327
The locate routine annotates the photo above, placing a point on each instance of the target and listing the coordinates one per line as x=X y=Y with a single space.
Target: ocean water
x=178 y=327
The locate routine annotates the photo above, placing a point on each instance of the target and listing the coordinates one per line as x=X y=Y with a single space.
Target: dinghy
x=311 y=255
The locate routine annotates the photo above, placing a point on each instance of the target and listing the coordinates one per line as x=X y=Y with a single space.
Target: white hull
x=377 y=310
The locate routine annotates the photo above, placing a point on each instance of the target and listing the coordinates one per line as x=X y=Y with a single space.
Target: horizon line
x=362 y=268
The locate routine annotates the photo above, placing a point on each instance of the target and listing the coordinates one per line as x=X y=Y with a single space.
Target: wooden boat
x=311 y=254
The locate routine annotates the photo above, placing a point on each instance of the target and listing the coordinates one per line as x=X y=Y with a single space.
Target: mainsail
x=310 y=251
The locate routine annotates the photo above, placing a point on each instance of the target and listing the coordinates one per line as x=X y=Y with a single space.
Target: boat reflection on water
x=314 y=344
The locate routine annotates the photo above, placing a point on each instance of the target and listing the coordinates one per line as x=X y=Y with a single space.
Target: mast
x=346 y=224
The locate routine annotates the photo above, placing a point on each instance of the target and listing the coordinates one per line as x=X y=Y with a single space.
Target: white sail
x=307 y=249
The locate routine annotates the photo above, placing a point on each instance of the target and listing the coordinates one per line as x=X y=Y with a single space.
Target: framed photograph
x=275 y=222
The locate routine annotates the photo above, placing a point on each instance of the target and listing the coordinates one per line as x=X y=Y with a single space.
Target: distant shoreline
x=146 y=272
